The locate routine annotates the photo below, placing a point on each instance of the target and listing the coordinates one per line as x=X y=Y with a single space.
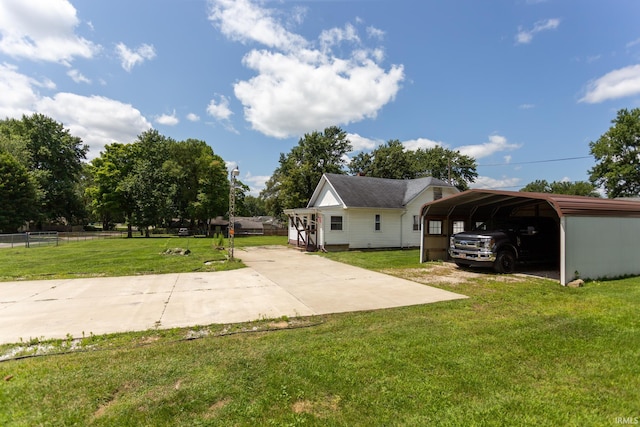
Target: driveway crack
x=166 y=303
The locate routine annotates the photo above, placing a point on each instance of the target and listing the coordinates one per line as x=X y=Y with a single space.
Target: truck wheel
x=505 y=262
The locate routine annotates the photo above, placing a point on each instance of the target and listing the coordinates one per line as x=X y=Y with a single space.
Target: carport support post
x=232 y=207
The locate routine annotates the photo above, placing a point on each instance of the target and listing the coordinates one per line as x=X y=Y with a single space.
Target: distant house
x=358 y=212
x=248 y=226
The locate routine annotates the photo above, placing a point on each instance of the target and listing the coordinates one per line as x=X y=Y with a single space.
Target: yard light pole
x=232 y=208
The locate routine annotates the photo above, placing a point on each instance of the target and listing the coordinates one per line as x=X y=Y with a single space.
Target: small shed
x=599 y=238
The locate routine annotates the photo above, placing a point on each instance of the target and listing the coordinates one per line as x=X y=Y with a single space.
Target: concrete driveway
x=278 y=282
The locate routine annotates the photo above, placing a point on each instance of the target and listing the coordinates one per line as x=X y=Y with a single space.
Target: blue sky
x=511 y=82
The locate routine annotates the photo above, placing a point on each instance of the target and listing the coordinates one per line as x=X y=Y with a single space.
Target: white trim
x=563 y=250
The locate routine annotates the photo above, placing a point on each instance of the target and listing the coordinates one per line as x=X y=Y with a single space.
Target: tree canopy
x=298 y=172
x=151 y=181
x=156 y=179
x=54 y=160
x=17 y=192
x=577 y=188
x=617 y=153
x=392 y=160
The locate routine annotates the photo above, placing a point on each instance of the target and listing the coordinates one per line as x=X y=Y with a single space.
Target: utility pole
x=232 y=210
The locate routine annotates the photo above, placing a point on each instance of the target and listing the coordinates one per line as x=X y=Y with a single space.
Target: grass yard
x=524 y=352
x=120 y=257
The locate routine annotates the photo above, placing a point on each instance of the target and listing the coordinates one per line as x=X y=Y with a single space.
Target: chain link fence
x=53 y=238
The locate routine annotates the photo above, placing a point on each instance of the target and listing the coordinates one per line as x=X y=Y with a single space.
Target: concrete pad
x=279 y=282
x=232 y=297
x=327 y=286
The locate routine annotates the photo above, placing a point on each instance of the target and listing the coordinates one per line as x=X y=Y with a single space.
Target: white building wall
x=411 y=238
x=597 y=247
x=333 y=237
x=362 y=234
x=327 y=197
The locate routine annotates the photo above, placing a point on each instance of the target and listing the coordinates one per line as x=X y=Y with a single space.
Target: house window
x=336 y=223
x=378 y=223
x=435 y=227
x=437 y=193
x=458 y=227
x=416 y=223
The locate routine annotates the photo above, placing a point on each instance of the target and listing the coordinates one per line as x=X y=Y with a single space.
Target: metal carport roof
x=576 y=214
x=475 y=201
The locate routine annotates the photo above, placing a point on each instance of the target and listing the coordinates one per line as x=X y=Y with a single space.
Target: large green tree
x=17 y=193
x=294 y=180
x=54 y=159
x=201 y=179
x=389 y=160
x=152 y=184
x=447 y=165
x=392 y=160
x=156 y=179
x=111 y=192
x=617 y=155
x=577 y=188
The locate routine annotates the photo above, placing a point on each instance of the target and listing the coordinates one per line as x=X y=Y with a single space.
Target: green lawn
x=119 y=257
x=526 y=352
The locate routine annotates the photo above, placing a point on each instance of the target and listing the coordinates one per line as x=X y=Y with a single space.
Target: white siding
x=327 y=197
x=411 y=238
x=362 y=234
x=333 y=237
x=598 y=247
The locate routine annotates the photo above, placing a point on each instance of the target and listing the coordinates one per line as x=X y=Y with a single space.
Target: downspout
x=402 y=228
x=421 y=236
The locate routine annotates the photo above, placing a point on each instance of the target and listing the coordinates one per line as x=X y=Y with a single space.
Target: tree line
x=149 y=182
x=298 y=172
x=155 y=180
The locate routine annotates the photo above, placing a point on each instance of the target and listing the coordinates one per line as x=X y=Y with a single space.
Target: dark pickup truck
x=503 y=243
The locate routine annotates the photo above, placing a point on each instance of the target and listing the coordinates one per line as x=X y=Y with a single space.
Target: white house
x=358 y=212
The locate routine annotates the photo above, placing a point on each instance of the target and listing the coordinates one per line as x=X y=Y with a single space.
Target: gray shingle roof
x=368 y=192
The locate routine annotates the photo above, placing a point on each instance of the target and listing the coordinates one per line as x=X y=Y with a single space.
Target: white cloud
x=130 y=58
x=376 y=33
x=507 y=159
x=219 y=110
x=298 y=87
x=615 y=84
x=495 y=144
x=526 y=106
x=243 y=21
x=18 y=93
x=489 y=183
x=526 y=36
x=632 y=43
x=193 y=117
x=95 y=119
x=423 y=143
x=42 y=30
x=168 y=119
x=77 y=76
x=256 y=182
x=360 y=143
x=335 y=36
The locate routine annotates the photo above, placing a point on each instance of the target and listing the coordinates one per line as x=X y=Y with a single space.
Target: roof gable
x=368 y=192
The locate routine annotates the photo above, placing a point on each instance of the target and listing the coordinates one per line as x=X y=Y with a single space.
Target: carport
x=598 y=237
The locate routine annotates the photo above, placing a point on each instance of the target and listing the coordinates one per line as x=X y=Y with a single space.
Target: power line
x=537 y=161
